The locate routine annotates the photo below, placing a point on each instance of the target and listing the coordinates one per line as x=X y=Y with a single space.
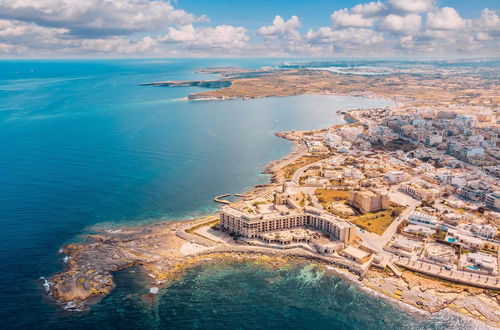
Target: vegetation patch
x=326 y=196
x=290 y=169
x=376 y=222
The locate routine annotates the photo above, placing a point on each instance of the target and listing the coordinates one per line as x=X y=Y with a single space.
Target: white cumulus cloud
x=369 y=9
x=445 y=18
x=411 y=6
x=401 y=24
x=220 y=37
x=96 y=18
x=280 y=27
x=344 y=18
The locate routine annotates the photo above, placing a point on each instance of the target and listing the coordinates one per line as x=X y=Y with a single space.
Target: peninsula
x=403 y=200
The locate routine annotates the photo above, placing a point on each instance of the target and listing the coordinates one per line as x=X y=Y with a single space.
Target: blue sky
x=161 y=28
x=315 y=13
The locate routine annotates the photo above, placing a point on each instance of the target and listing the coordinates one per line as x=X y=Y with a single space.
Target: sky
x=257 y=28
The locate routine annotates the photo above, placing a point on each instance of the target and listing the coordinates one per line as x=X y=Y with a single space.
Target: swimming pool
x=451 y=240
x=472 y=267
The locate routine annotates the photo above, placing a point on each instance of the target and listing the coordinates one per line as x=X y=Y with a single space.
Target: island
x=402 y=200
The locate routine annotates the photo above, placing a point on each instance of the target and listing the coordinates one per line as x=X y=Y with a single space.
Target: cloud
x=411 y=6
x=155 y=27
x=120 y=45
x=96 y=18
x=445 y=18
x=21 y=34
x=371 y=9
x=489 y=21
x=15 y=36
x=345 y=38
x=344 y=18
x=280 y=27
x=401 y=24
x=225 y=37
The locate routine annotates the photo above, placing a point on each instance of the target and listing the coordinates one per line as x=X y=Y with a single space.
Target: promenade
x=468 y=278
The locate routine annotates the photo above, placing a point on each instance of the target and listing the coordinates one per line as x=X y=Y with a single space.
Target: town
x=400 y=187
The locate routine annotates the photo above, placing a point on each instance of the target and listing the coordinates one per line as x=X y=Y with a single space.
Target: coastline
x=272 y=169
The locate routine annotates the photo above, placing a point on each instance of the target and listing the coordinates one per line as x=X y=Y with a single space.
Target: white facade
x=422 y=219
x=487 y=231
x=395 y=176
x=493 y=200
x=250 y=226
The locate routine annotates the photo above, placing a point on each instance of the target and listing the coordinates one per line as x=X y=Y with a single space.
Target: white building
x=432 y=140
x=404 y=247
x=250 y=225
x=466 y=241
x=395 y=176
x=493 y=201
x=487 y=231
x=422 y=219
x=468 y=152
x=419 y=230
x=482 y=261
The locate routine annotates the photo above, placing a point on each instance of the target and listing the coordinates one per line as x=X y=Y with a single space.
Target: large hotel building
x=250 y=225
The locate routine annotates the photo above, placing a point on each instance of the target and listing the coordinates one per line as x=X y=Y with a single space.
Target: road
x=376 y=242
x=296 y=176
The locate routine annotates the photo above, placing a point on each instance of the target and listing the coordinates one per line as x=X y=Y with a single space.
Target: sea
x=83 y=144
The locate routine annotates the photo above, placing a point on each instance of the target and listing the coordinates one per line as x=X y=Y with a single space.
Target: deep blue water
x=82 y=143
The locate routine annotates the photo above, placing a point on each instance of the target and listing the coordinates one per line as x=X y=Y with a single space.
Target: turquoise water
x=81 y=143
x=246 y=296
x=472 y=267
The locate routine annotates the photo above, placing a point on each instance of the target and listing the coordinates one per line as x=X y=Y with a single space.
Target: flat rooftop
x=355 y=252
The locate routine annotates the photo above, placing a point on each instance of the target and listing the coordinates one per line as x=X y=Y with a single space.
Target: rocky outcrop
x=191 y=83
x=89 y=266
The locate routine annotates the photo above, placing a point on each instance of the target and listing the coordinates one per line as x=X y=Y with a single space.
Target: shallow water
x=246 y=295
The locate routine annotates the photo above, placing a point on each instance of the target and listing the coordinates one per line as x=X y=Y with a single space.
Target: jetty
x=220 y=198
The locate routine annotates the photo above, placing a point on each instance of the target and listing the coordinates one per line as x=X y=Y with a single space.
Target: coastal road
x=456 y=275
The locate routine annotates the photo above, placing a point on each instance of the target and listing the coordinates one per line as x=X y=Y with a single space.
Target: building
x=432 y=140
x=404 y=247
x=290 y=193
x=419 y=230
x=469 y=242
x=486 y=231
x=368 y=201
x=468 y=152
x=416 y=191
x=481 y=261
x=353 y=253
x=493 y=201
x=475 y=191
x=422 y=219
x=452 y=218
x=439 y=253
x=250 y=225
x=395 y=176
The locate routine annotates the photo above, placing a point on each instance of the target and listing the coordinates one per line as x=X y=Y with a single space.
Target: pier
x=220 y=198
